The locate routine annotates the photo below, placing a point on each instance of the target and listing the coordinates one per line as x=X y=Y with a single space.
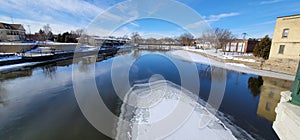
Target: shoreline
x=205 y=58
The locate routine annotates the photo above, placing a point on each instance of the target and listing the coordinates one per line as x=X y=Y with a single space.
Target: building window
x=268 y=106
x=281 y=49
x=285 y=33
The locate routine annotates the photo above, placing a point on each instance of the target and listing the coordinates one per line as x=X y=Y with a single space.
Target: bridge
x=160 y=47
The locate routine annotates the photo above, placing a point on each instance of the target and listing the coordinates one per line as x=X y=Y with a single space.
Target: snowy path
x=188 y=56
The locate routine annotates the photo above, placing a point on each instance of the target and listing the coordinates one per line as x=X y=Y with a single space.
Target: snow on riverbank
x=229 y=55
x=188 y=56
x=10 y=58
x=17 y=66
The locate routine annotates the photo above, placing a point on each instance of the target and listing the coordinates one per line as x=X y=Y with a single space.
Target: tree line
x=67 y=37
x=215 y=38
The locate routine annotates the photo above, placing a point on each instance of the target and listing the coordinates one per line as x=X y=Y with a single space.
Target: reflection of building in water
x=85 y=62
x=2 y=91
x=270 y=96
x=9 y=76
x=15 y=74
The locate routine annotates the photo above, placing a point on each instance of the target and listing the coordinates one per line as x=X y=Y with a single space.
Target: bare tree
x=224 y=36
x=186 y=39
x=47 y=31
x=79 y=32
x=135 y=37
x=218 y=37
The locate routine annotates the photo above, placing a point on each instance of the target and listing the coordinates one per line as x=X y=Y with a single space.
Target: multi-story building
x=11 y=32
x=286 y=39
x=285 y=50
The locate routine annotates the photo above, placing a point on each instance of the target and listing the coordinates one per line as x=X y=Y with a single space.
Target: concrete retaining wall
x=287 y=66
x=15 y=48
x=63 y=46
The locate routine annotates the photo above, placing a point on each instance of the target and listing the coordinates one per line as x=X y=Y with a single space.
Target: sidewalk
x=209 y=57
x=289 y=67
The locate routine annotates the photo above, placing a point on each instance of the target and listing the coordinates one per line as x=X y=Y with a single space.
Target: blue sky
x=254 y=17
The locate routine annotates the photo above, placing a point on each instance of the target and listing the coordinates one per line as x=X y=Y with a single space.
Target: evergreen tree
x=262 y=48
x=254 y=85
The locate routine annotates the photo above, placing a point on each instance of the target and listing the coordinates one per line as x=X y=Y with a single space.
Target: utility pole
x=12 y=20
x=244 y=39
x=244 y=36
x=29 y=28
x=29 y=32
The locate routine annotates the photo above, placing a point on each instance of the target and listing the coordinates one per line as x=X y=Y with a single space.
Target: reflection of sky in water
x=39 y=102
x=148 y=65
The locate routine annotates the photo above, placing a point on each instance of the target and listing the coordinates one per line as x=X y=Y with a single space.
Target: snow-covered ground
x=228 y=55
x=49 y=42
x=16 y=43
x=10 y=58
x=165 y=110
x=188 y=56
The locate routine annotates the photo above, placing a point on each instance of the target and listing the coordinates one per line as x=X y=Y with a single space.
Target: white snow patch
x=168 y=103
x=17 y=66
x=16 y=43
x=228 y=55
x=236 y=64
x=10 y=58
x=192 y=57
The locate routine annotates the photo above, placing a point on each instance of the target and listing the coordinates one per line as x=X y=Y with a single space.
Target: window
x=268 y=106
x=281 y=49
x=285 y=33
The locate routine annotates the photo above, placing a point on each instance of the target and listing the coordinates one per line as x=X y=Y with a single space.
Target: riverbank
x=20 y=63
x=246 y=66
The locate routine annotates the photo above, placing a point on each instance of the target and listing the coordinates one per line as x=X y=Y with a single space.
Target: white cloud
x=265 y=22
x=210 y=19
x=269 y=1
x=213 y=18
x=35 y=26
x=198 y=24
x=134 y=24
x=257 y=30
x=41 y=8
x=63 y=15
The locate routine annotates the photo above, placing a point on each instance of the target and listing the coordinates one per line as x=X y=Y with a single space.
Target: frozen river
x=39 y=102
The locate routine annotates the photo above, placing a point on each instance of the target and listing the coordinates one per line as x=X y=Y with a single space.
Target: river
x=39 y=102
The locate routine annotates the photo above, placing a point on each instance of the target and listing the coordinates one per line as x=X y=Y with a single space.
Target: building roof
x=289 y=16
x=11 y=26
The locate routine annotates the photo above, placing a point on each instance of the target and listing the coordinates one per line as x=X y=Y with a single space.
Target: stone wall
x=63 y=46
x=15 y=48
x=281 y=65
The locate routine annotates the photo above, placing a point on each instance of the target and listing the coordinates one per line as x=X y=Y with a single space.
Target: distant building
x=11 y=32
x=202 y=44
x=32 y=37
x=240 y=45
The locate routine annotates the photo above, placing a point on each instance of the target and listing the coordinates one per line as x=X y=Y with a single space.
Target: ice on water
x=161 y=109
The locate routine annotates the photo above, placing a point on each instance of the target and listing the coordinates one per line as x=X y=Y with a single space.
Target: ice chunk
x=168 y=112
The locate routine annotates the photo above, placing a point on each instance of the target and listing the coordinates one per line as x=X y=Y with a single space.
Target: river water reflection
x=39 y=103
